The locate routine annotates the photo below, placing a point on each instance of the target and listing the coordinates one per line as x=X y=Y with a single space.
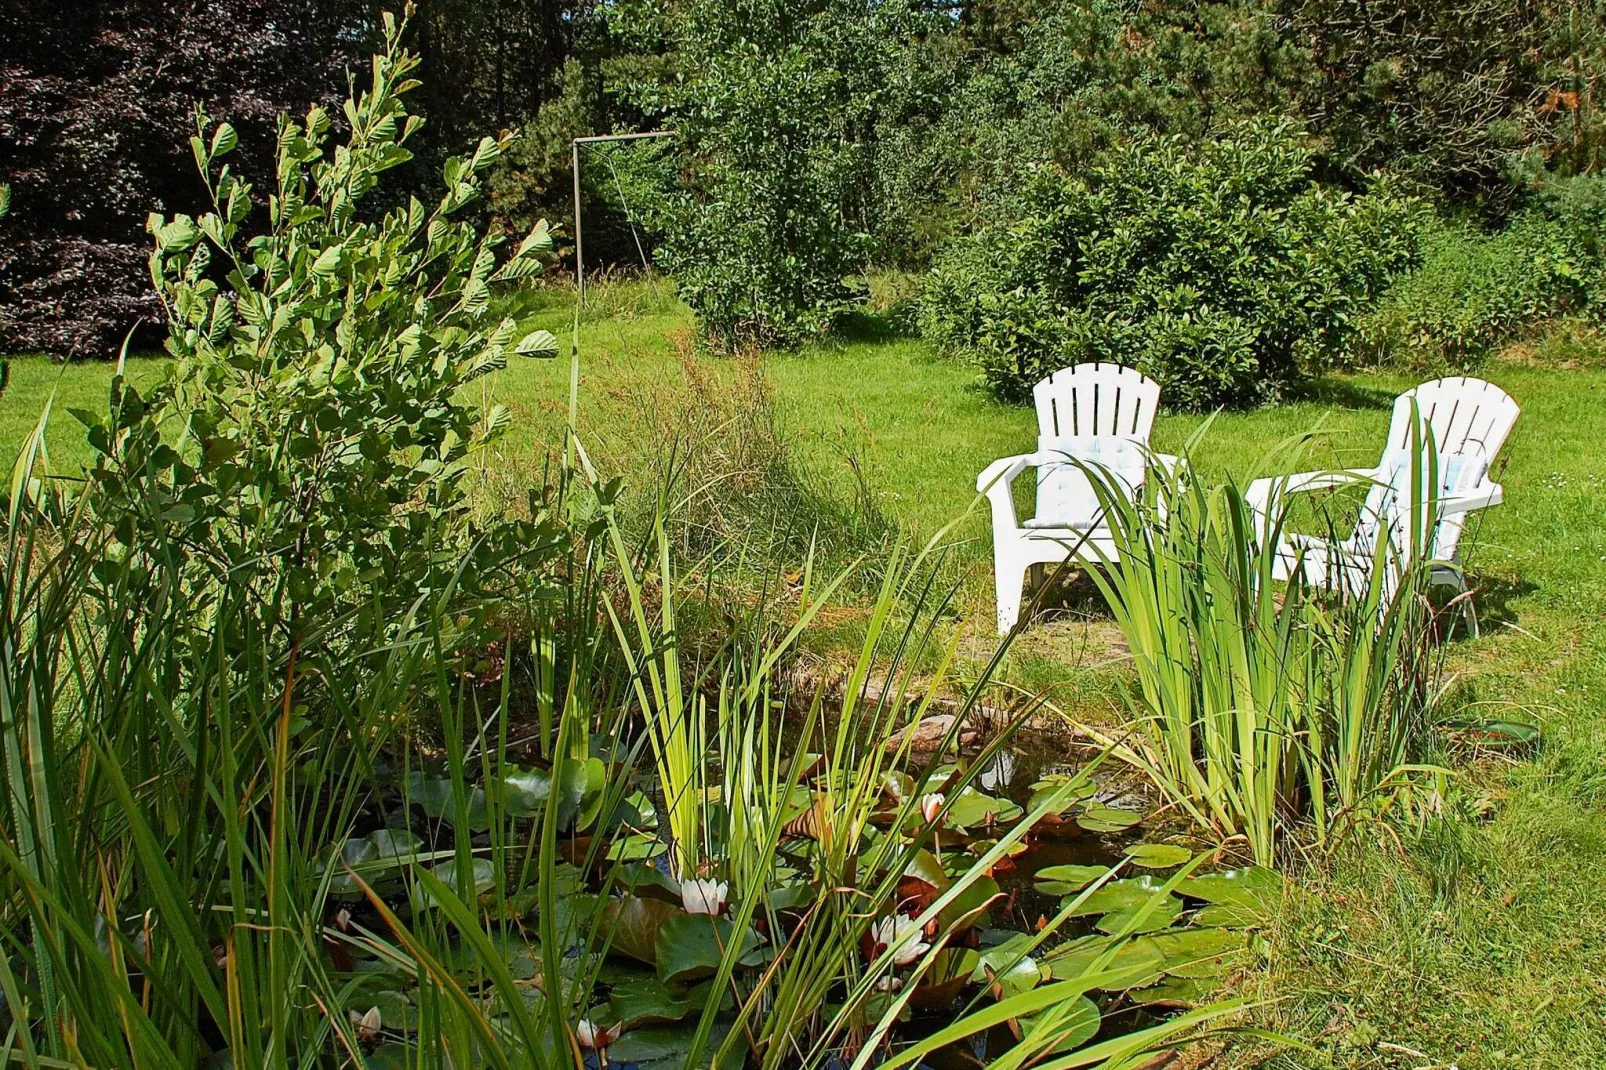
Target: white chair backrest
x=1467 y=416
x=1096 y=399
x=1100 y=413
x=1469 y=420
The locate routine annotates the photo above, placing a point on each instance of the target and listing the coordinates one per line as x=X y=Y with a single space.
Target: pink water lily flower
x=703 y=896
x=902 y=935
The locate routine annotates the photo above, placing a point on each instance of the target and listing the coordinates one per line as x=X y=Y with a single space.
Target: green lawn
x=1479 y=943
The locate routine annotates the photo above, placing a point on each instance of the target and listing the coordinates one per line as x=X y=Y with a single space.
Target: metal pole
x=574 y=164
x=579 y=256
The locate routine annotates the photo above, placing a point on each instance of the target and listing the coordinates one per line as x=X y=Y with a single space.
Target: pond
x=1099 y=883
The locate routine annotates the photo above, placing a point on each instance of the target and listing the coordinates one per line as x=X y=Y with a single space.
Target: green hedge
x=1221 y=268
x=1475 y=291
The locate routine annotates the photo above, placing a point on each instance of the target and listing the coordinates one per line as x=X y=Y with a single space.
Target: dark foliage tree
x=91 y=97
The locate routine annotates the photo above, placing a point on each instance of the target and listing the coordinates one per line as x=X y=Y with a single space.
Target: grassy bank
x=1477 y=944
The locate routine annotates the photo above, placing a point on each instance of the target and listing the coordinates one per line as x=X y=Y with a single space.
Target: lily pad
x=1077 y=1028
x=1177 y=992
x=690 y=946
x=1096 y=817
x=1144 y=917
x=651 y=1002
x=650 y=881
x=1070 y=961
x=1158 y=855
x=484 y=876
x=1063 y=880
x=631 y=925
x=1200 y=953
x=1007 y=966
x=1118 y=895
x=1253 y=890
x=434 y=794
x=974 y=809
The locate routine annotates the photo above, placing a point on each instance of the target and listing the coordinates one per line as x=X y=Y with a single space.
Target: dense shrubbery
x=1222 y=270
x=775 y=105
x=1476 y=291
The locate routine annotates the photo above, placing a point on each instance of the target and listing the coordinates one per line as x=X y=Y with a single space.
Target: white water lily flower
x=703 y=897
x=902 y=935
x=931 y=805
x=594 y=1037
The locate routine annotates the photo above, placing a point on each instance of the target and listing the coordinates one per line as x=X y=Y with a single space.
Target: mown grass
x=1476 y=944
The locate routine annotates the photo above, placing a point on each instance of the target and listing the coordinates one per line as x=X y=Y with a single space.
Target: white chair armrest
x=1479 y=497
x=1003 y=471
x=1262 y=492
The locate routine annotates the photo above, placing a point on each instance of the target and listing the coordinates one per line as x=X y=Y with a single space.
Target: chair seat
x=1049 y=525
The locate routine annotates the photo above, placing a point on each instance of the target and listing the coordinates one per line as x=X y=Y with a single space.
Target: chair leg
x=1008 y=576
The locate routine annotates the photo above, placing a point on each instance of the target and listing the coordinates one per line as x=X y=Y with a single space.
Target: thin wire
x=608 y=158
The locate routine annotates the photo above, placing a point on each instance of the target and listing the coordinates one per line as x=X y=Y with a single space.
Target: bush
x=1476 y=291
x=1222 y=270
x=318 y=371
x=775 y=105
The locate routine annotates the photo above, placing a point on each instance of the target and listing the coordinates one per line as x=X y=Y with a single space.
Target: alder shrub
x=1222 y=268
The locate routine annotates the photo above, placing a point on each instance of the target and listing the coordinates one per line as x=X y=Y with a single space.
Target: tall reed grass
x=1264 y=706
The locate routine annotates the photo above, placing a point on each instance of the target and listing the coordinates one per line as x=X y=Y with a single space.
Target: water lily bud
x=703 y=897
x=931 y=806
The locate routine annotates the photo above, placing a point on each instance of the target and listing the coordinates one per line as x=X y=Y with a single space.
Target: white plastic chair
x=1468 y=420
x=1099 y=414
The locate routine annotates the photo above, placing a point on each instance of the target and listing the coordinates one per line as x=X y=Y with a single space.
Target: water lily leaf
x=650 y=1001
x=1158 y=855
x=1222 y=915
x=1096 y=817
x=1141 y=917
x=791 y=896
x=1008 y=967
x=972 y=901
x=690 y=946
x=662 y=1047
x=1177 y=992
x=1252 y=890
x=631 y=926
x=524 y=792
x=926 y=868
x=1118 y=895
x=1076 y=1029
x=1200 y=953
x=1080 y=788
x=434 y=794
x=1070 y=961
x=484 y=875
x=973 y=809
x=1063 y=880
x=636 y=847
x=636 y=878
x=395 y=843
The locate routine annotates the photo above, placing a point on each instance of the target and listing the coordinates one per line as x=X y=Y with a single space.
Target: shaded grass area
x=1477 y=943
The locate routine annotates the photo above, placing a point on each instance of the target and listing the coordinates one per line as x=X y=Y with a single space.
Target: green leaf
x=1063 y=880
x=538 y=344
x=972 y=809
x=224 y=139
x=631 y=925
x=1254 y=890
x=1143 y=917
x=1095 y=817
x=1158 y=855
x=1118 y=895
x=690 y=946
